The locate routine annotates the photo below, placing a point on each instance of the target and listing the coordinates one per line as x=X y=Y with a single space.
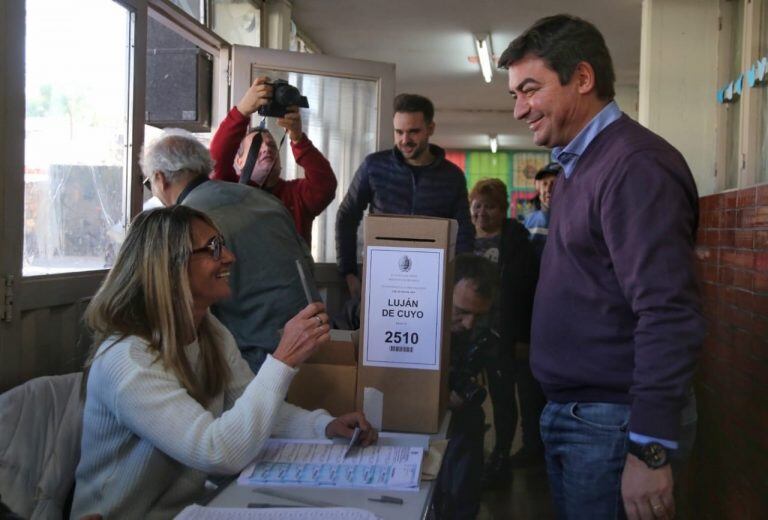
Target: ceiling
x=430 y=42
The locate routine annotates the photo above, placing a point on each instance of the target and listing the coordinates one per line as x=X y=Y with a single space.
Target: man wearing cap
x=537 y=222
x=235 y=150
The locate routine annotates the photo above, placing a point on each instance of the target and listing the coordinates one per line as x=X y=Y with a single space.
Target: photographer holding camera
x=473 y=347
x=253 y=157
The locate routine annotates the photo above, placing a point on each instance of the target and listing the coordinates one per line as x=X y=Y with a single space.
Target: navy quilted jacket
x=385 y=183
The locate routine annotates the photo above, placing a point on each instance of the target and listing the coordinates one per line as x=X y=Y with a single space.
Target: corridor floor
x=526 y=497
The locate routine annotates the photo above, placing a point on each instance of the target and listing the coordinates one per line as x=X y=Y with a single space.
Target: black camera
x=283 y=96
x=468 y=359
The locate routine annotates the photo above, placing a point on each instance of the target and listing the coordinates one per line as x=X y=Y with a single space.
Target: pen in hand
x=352 y=441
x=304 y=282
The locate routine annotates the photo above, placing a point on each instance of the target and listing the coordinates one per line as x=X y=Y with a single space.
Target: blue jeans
x=586 y=447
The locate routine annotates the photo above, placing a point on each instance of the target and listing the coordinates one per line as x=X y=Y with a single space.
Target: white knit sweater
x=148 y=446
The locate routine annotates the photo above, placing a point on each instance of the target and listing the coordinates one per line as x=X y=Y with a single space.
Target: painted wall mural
x=515 y=168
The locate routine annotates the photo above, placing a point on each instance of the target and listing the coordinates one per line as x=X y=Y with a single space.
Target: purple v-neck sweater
x=617 y=316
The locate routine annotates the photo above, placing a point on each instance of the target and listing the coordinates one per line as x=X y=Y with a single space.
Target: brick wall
x=729 y=469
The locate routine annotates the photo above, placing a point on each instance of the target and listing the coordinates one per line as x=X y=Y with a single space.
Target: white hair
x=174 y=153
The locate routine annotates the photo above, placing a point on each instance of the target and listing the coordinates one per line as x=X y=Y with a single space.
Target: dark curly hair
x=480 y=270
x=415 y=103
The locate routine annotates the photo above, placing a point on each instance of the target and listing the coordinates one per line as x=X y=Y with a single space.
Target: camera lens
x=287 y=95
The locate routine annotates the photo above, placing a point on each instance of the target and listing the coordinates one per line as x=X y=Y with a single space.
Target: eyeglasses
x=214 y=246
x=147 y=184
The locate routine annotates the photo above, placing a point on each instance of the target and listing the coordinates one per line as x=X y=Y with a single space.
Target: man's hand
x=353 y=284
x=647 y=493
x=454 y=401
x=292 y=122
x=256 y=96
x=344 y=426
x=303 y=335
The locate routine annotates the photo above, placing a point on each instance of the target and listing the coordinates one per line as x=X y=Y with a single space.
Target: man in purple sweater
x=617 y=324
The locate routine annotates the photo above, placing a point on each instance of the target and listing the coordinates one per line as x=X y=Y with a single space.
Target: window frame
x=41 y=331
x=750 y=115
x=32 y=292
x=176 y=19
x=52 y=289
x=383 y=74
x=210 y=19
x=51 y=295
x=748 y=145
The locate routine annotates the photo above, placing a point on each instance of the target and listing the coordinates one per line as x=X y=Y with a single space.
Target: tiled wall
x=729 y=468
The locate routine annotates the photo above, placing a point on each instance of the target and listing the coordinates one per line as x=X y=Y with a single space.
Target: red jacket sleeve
x=318 y=187
x=225 y=143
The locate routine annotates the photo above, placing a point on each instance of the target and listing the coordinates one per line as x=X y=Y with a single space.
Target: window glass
x=342 y=123
x=732 y=162
x=237 y=21
x=762 y=92
x=194 y=8
x=76 y=142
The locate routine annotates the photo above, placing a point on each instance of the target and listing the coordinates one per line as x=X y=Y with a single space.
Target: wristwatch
x=653 y=454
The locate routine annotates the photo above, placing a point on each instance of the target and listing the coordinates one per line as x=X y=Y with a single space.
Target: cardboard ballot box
x=328 y=379
x=406 y=318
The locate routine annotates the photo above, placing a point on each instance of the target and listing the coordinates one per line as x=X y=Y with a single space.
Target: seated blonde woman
x=169 y=399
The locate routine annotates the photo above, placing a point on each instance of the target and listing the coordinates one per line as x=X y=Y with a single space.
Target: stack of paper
x=312 y=463
x=196 y=512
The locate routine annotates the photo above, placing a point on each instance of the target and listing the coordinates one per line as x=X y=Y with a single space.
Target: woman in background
x=169 y=399
x=505 y=242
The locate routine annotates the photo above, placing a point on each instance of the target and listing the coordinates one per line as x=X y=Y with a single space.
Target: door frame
x=243 y=57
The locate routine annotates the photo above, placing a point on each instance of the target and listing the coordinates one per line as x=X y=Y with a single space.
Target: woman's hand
x=344 y=426
x=303 y=334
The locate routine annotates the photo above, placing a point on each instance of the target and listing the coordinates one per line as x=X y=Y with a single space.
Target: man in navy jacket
x=414 y=178
x=617 y=321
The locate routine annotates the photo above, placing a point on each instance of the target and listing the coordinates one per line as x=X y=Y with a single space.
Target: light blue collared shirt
x=567 y=156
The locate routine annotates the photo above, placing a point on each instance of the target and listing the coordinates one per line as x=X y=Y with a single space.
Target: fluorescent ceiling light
x=494 y=142
x=484 y=55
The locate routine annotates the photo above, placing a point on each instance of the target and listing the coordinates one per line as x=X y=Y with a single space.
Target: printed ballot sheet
x=313 y=463
x=403 y=297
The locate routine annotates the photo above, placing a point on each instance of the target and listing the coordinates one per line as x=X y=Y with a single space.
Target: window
x=732 y=118
x=237 y=21
x=299 y=42
x=179 y=80
x=762 y=93
x=194 y=8
x=77 y=134
x=179 y=86
x=342 y=122
x=742 y=146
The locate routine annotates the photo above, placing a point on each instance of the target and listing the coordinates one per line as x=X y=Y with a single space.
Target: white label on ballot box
x=403 y=299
